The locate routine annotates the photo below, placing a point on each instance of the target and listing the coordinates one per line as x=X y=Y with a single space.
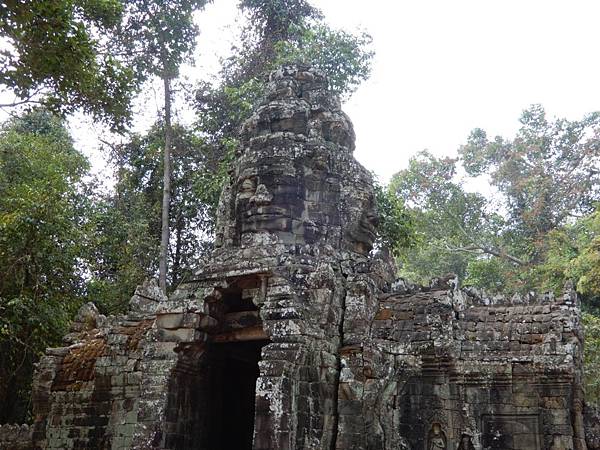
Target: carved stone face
x=295 y=199
x=364 y=233
x=266 y=196
x=299 y=201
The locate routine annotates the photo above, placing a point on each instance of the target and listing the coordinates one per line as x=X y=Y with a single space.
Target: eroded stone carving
x=437 y=438
x=466 y=442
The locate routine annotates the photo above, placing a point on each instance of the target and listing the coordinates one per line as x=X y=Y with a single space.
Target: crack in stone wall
x=338 y=368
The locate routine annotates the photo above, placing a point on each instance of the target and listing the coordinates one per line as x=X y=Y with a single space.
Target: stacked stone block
x=87 y=393
x=16 y=437
x=504 y=373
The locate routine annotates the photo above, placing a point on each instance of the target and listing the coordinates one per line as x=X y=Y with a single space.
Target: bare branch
x=19 y=103
x=478 y=250
x=28 y=99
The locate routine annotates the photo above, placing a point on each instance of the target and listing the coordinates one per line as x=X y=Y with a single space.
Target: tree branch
x=22 y=102
x=479 y=249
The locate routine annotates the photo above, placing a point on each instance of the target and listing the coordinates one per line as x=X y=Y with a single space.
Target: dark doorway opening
x=212 y=394
x=234 y=371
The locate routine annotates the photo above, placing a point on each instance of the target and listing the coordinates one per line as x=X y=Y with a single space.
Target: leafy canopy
x=287 y=31
x=395 y=228
x=57 y=53
x=128 y=221
x=157 y=36
x=535 y=231
x=453 y=226
x=278 y=32
x=43 y=229
x=547 y=174
x=591 y=355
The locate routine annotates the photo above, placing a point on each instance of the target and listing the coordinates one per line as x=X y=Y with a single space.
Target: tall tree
x=529 y=233
x=43 y=231
x=287 y=31
x=279 y=32
x=56 y=53
x=548 y=174
x=268 y=23
x=159 y=35
x=128 y=220
x=454 y=226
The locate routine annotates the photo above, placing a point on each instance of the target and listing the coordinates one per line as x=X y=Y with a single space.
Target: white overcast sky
x=442 y=68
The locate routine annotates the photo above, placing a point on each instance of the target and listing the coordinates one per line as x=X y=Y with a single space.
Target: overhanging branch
x=480 y=249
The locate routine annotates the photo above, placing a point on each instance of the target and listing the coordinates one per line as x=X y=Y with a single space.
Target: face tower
x=296 y=224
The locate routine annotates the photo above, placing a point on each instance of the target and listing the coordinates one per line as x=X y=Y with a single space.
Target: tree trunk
x=164 y=241
x=175 y=270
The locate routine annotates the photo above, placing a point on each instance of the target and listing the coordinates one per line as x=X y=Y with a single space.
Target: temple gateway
x=297 y=335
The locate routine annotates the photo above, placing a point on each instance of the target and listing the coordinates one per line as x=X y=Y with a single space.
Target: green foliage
x=128 y=221
x=92 y=55
x=489 y=273
x=221 y=110
x=344 y=57
x=547 y=174
x=123 y=251
x=278 y=32
x=591 y=326
x=42 y=235
x=273 y=19
x=535 y=232
x=573 y=253
x=40 y=203
x=419 y=263
x=395 y=228
x=56 y=53
x=208 y=182
x=454 y=226
x=157 y=36
x=561 y=247
x=269 y=22
x=283 y=31
x=585 y=267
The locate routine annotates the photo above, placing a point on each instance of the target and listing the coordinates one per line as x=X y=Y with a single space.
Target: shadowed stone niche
x=511 y=432
x=296 y=334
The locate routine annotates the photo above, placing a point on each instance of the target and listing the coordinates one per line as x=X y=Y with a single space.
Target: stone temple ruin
x=296 y=335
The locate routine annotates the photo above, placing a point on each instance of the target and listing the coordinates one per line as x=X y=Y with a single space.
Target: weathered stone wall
x=87 y=393
x=15 y=437
x=506 y=375
x=295 y=218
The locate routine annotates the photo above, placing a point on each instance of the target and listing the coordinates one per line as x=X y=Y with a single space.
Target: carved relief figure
x=437 y=438
x=466 y=443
